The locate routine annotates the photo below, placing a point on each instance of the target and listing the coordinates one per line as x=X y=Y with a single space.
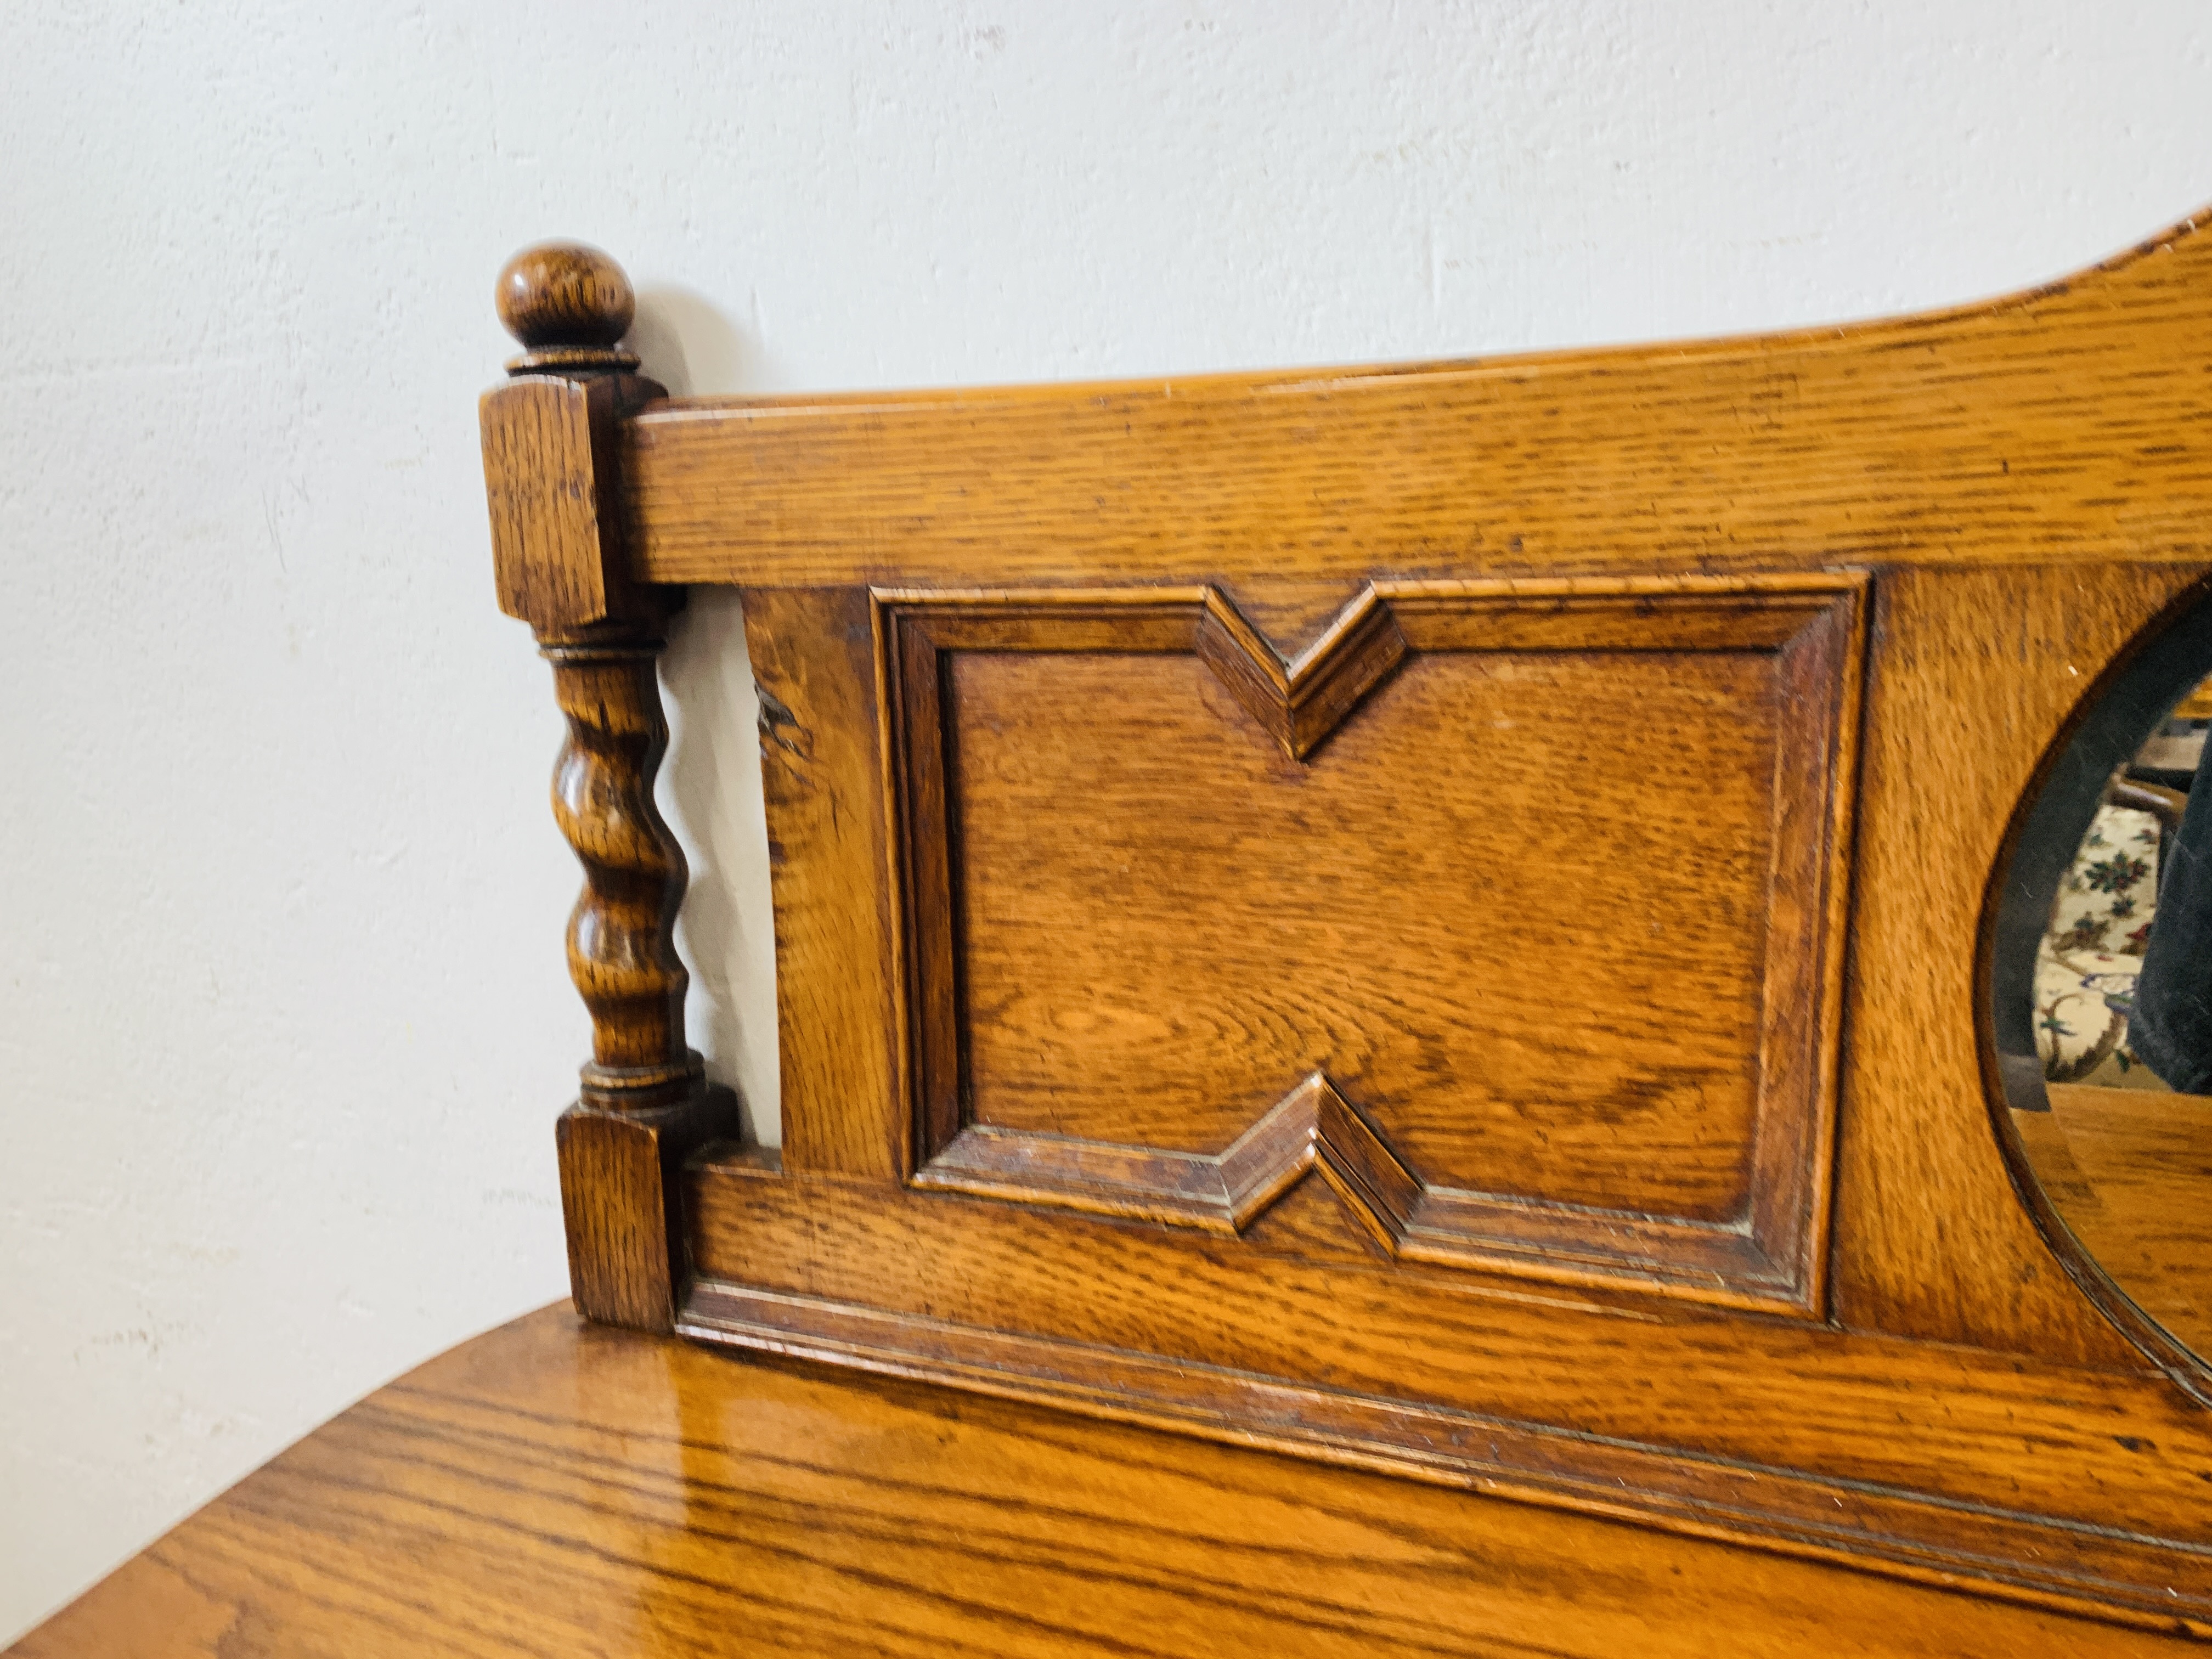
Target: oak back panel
x=1437 y=918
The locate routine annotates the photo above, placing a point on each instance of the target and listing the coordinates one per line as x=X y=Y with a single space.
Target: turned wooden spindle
x=622 y=935
x=552 y=468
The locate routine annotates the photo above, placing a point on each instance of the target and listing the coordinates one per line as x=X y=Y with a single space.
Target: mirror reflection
x=2114 y=1111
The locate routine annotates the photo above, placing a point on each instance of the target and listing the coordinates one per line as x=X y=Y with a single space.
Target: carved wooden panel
x=1513 y=910
x=1507 y=907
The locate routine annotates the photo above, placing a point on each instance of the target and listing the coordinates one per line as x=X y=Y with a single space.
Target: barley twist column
x=552 y=447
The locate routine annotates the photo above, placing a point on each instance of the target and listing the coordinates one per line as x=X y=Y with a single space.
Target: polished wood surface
x=556 y=1489
x=569 y=304
x=622 y=935
x=644 y=1103
x=1200 y=1009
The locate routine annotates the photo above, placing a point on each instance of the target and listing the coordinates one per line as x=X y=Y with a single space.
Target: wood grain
x=1590 y=1025
x=554 y=1488
x=1164 y=934
x=622 y=1200
x=839 y=1021
x=622 y=935
x=558 y=295
x=1314 y=1130
x=553 y=482
x=2065 y=423
x=552 y=447
x=1593 y=771
x=1311 y=1127
x=2067 y=1423
x=1948 y=1426
x=644 y=1104
x=1995 y=1553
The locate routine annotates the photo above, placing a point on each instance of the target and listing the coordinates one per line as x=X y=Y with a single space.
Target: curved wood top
x=555 y=1489
x=2058 y=424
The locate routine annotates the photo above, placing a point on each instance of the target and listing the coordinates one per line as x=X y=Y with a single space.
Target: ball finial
x=568 y=304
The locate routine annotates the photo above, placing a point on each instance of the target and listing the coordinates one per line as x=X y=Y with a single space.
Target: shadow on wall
x=689 y=347
x=710 y=784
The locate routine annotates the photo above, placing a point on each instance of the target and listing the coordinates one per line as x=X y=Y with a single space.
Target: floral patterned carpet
x=2086 y=968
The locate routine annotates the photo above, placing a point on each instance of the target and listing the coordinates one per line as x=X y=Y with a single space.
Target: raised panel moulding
x=1091 y=1086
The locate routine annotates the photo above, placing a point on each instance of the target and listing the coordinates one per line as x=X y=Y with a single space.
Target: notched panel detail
x=1312 y=1128
x=1125 y=922
x=1300 y=702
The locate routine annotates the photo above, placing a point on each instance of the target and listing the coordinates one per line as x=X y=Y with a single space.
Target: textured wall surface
x=284 y=1024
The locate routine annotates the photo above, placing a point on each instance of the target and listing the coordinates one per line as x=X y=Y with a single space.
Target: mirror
x=2100 y=967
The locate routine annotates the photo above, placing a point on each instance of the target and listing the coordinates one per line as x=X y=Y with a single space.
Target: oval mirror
x=2100 y=984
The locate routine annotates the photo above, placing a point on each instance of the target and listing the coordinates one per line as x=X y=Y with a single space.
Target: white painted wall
x=283 y=1024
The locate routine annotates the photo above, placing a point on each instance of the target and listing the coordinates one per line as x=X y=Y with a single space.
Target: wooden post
x=552 y=474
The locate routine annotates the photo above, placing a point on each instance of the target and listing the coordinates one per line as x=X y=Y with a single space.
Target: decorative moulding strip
x=1301 y=702
x=1314 y=1129
x=2157 y=1583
